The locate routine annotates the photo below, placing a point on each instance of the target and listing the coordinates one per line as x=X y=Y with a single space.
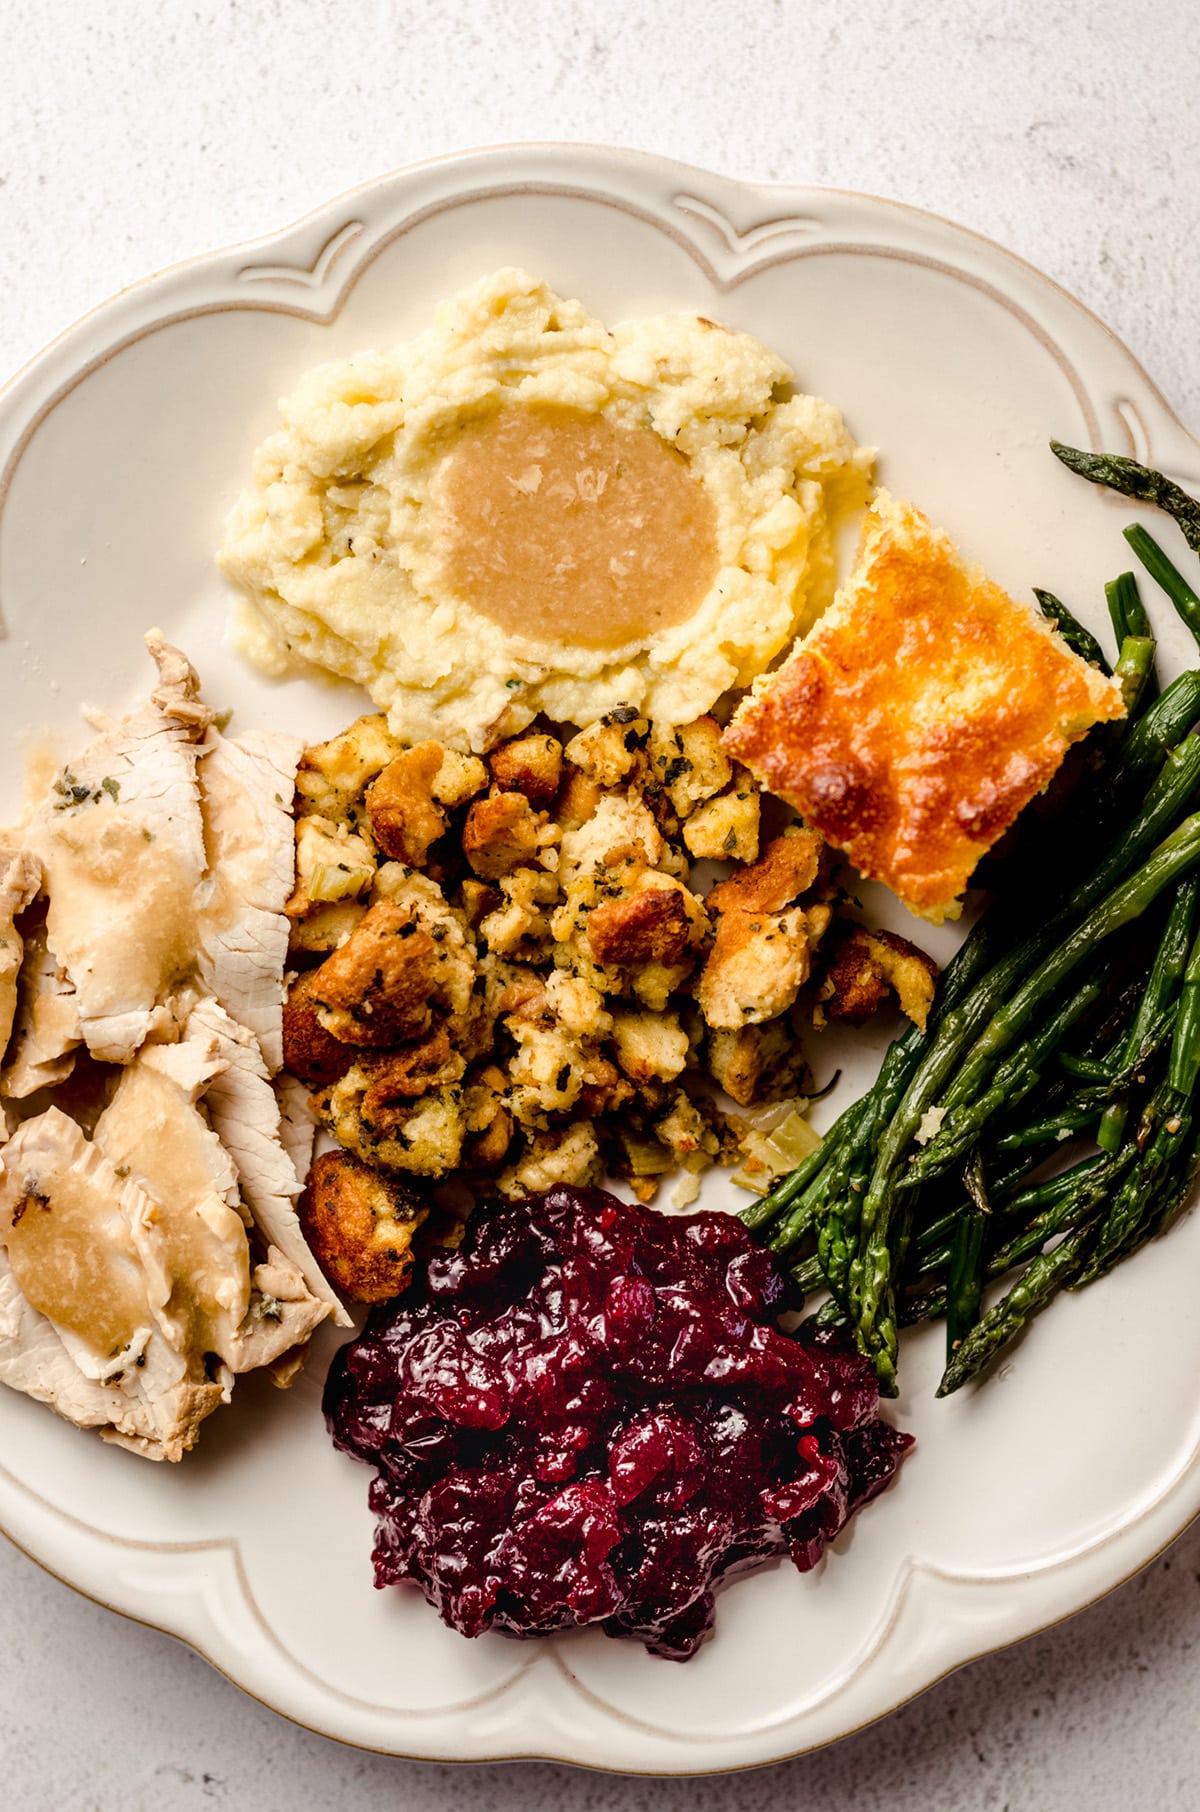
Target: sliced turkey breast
x=246 y=788
x=121 y=842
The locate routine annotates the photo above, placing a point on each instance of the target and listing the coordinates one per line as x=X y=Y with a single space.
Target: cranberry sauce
x=587 y=1414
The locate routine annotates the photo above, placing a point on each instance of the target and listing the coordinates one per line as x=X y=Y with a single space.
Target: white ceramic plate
x=121 y=447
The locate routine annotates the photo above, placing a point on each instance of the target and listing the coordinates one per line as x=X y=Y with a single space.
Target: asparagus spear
x=1125 y=607
x=1073 y=633
x=1165 y=1126
x=1182 y=595
x=1037 y=1285
x=964 y=1286
x=1137 y=481
x=1158 y=730
x=1184 y=1065
x=1165 y=977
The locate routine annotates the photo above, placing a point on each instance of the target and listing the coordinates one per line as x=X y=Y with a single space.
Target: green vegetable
x=1073 y=633
x=1161 y=989
x=1041 y=1281
x=1139 y=482
x=964 y=1287
x=1182 y=595
x=1184 y=1064
x=1125 y=608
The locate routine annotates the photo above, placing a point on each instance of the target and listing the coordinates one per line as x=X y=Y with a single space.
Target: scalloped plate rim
x=578 y=160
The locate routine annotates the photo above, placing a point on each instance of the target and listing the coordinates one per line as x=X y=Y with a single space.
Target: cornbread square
x=921 y=713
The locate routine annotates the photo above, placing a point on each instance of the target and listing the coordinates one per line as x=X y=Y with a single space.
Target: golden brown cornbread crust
x=920 y=715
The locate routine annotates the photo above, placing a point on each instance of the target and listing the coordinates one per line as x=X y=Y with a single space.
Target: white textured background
x=133 y=134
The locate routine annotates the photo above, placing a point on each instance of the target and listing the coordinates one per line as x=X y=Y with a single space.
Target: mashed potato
x=523 y=511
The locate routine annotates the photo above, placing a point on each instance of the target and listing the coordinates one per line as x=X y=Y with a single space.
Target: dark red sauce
x=588 y=1414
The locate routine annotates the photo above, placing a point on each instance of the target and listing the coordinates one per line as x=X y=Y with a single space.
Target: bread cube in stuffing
x=459 y=778
x=377 y=989
x=577 y=800
x=650 y=1045
x=786 y=869
x=309 y=1051
x=545 y=1071
x=404 y=815
x=529 y=764
x=864 y=967
x=756 y=967
x=608 y=750
x=688 y=762
x=323 y=928
x=651 y=925
x=365 y=1115
x=758 y=1062
x=620 y=833
x=571 y=1155
x=725 y=829
x=519 y=925
x=360 y=1226
x=332 y=774
x=332 y=863
x=501 y=833
x=489 y=1123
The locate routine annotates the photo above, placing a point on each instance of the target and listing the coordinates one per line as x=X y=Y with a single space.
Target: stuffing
x=531 y=765
x=488 y=1121
x=405 y=817
x=518 y=926
x=864 y=967
x=605 y=1090
x=459 y=778
x=577 y=1005
x=323 y=928
x=391 y=1130
x=545 y=1070
x=577 y=800
x=570 y=1156
x=517 y=981
x=501 y=834
x=688 y=763
x=333 y=774
x=650 y=1045
x=309 y=1051
x=453 y=971
x=525 y=996
x=755 y=969
x=360 y=1226
x=332 y=863
x=478 y=899
x=376 y=989
x=620 y=833
x=685 y=1131
x=607 y=751
x=652 y=925
x=416 y=1069
x=909 y=970
x=788 y=867
x=725 y=829
x=763 y=1062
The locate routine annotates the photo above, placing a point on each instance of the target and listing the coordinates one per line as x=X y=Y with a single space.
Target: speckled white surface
x=131 y=136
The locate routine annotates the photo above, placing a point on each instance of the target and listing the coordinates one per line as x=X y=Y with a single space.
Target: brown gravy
x=561 y=527
x=74 y=1261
